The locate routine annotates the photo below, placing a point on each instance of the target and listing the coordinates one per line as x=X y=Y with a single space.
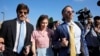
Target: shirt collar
x=19 y=21
x=70 y=23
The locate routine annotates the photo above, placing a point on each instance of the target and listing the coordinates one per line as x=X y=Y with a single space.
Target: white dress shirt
x=77 y=32
x=17 y=34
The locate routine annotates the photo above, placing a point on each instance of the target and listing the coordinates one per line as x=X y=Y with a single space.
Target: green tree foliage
x=50 y=22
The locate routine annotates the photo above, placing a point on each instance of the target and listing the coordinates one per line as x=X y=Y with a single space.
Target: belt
x=76 y=55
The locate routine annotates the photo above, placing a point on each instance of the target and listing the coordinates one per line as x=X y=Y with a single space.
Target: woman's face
x=44 y=23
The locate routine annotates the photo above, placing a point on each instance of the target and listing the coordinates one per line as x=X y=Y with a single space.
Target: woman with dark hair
x=41 y=38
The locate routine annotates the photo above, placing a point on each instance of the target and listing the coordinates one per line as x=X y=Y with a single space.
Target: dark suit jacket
x=92 y=39
x=8 y=32
x=61 y=32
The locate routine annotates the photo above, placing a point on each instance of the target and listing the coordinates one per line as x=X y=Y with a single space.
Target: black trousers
x=8 y=53
x=76 y=55
x=55 y=51
x=1 y=54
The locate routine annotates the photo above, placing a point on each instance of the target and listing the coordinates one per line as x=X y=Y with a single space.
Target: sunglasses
x=69 y=12
x=22 y=12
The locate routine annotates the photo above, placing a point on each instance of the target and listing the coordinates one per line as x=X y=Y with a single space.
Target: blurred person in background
x=55 y=25
x=88 y=25
x=93 y=38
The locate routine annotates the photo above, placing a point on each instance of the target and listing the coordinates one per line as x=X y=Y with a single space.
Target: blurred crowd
x=69 y=38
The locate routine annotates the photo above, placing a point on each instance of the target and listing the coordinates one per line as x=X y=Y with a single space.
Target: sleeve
x=3 y=30
x=33 y=37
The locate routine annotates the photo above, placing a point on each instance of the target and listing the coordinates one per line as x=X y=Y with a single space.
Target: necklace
x=41 y=33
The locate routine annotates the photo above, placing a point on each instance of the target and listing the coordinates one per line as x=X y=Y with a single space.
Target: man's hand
x=27 y=50
x=64 y=42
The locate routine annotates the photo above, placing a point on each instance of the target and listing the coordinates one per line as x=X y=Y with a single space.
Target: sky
x=52 y=8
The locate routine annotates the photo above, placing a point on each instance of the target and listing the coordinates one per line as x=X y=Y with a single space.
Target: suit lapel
x=13 y=26
x=65 y=29
x=27 y=30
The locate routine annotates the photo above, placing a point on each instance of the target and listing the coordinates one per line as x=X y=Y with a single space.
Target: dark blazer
x=8 y=32
x=61 y=32
x=92 y=39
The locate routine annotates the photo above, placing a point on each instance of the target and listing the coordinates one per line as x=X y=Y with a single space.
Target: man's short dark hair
x=63 y=10
x=22 y=6
x=96 y=18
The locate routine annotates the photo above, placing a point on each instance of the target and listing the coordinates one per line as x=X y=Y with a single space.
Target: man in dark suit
x=10 y=32
x=62 y=39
